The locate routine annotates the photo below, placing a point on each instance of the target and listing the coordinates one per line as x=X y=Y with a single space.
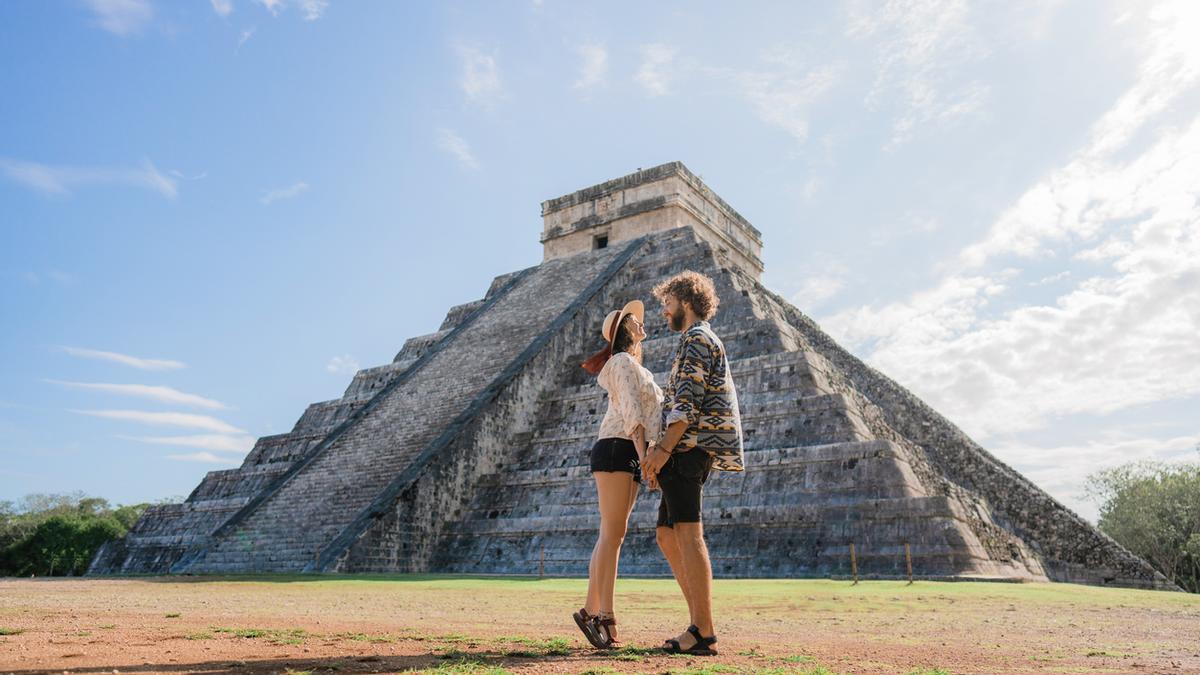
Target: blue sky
x=211 y=213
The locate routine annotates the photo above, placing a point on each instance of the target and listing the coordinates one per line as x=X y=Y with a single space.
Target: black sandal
x=591 y=630
x=703 y=646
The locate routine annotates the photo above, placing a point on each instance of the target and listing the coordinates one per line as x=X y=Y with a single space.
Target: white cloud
x=206 y=457
x=245 y=36
x=457 y=147
x=222 y=7
x=921 y=47
x=124 y=359
x=121 y=17
x=170 y=419
x=152 y=392
x=288 y=192
x=1121 y=219
x=816 y=289
x=311 y=10
x=57 y=276
x=61 y=179
x=657 y=69
x=480 y=75
x=344 y=364
x=212 y=442
x=594 y=67
x=783 y=96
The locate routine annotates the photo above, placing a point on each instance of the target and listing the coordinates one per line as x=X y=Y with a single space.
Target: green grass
x=929 y=671
x=467 y=666
x=538 y=648
x=108 y=626
x=279 y=636
x=11 y=631
x=366 y=637
x=200 y=635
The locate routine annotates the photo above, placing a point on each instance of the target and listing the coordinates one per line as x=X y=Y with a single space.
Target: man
x=703 y=431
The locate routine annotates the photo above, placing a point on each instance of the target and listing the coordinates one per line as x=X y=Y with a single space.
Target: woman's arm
x=639 y=442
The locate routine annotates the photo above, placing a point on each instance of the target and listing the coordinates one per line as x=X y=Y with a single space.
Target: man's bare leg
x=697 y=568
x=670 y=549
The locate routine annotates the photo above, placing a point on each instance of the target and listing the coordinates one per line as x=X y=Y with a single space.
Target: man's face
x=673 y=313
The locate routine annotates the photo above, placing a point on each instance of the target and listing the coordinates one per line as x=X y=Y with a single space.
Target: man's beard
x=677 y=319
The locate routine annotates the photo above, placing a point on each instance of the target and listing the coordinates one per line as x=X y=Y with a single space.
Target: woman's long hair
x=623 y=342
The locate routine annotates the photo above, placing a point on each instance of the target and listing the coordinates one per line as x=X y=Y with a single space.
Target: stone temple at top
x=468 y=453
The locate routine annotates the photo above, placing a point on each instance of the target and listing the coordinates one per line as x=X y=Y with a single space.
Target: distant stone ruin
x=468 y=452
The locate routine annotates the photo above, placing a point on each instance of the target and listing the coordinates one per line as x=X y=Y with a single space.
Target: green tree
x=58 y=534
x=1153 y=509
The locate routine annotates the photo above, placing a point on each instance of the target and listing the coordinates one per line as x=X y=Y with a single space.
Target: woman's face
x=636 y=329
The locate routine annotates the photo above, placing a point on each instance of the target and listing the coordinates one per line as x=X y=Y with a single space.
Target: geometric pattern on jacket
x=700 y=390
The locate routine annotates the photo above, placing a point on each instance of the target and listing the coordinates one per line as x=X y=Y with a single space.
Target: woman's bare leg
x=616 y=490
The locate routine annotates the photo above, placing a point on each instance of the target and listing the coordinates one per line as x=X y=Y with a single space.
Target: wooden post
x=853 y=564
x=542 y=563
x=908 y=562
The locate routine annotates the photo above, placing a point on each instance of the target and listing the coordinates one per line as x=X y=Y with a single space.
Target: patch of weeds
x=1101 y=652
x=467 y=666
x=366 y=637
x=796 y=658
x=537 y=648
x=454 y=654
x=174 y=616
x=284 y=636
x=200 y=635
x=108 y=626
x=83 y=633
x=601 y=670
x=289 y=671
x=706 y=670
x=634 y=653
x=752 y=652
x=11 y=631
x=929 y=671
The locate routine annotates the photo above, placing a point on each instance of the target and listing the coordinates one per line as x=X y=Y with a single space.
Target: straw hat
x=615 y=317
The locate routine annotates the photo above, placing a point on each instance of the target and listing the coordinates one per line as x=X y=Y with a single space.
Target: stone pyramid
x=468 y=453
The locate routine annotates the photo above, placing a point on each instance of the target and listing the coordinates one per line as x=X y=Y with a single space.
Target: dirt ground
x=482 y=625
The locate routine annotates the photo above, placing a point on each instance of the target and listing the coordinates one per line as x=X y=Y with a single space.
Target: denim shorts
x=682 y=481
x=616 y=454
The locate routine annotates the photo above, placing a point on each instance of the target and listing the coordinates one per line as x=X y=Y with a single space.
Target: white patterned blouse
x=633 y=399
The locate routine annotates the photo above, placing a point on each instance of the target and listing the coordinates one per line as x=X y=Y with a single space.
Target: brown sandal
x=591 y=629
x=608 y=625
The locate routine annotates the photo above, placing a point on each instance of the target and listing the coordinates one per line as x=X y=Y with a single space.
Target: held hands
x=656 y=457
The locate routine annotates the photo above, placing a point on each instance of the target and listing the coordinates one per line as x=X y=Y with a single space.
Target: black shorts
x=682 y=481
x=616 y=454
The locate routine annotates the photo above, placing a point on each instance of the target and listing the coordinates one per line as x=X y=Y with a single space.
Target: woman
x=633 y=418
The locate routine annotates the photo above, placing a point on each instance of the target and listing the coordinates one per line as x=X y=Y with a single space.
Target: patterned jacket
x=700 y=390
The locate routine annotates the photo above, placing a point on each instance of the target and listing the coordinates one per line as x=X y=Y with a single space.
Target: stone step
x=805 y=541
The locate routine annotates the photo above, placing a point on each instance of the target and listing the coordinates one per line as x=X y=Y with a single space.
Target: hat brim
x=634 y=307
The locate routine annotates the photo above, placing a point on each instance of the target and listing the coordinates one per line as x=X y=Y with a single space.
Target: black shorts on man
x=616 y=454
x=682 y=481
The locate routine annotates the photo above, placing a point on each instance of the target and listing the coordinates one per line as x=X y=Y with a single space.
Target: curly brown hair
x=693 y=288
